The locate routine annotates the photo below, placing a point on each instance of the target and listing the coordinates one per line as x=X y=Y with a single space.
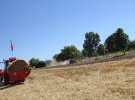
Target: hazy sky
x=40 y=28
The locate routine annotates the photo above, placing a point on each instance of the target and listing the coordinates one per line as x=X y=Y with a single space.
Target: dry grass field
x=114 y=80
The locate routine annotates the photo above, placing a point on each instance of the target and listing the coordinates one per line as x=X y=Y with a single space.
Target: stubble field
x=114 y=80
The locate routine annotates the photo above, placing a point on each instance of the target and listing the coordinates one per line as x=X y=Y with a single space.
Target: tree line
x=117 y=41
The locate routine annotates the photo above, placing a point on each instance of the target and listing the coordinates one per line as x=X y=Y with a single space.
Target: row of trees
x=117 y=41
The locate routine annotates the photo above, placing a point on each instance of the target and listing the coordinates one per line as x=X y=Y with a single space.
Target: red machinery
x=7 y=77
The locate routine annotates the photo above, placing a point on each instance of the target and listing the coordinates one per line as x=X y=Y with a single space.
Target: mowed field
x=114 y=80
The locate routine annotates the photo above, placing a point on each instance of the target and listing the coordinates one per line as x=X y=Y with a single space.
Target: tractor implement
x=14 y=71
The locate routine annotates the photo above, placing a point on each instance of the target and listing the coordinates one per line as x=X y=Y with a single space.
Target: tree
x=101 y=49
x=110 y=44
x=41 y=64
x=37 y=63
x=121 y=40
x=91 y=43
x=131 y=45
x=118 y=41
x=69 y=52
x=33 y=62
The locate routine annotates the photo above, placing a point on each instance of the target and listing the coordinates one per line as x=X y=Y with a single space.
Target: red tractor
x=14 y=71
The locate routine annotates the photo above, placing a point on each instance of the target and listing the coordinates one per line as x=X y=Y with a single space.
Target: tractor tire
x=1 y=79
x=6 y=79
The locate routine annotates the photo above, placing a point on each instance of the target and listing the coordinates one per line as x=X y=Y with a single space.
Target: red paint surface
x=16 y=76
x=1 y=73
x=20 y=75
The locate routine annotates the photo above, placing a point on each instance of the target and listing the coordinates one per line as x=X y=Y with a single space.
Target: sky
x=40 y=28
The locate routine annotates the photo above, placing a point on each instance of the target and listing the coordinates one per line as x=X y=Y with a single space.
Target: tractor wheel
x=1 y=79
x=6 y=79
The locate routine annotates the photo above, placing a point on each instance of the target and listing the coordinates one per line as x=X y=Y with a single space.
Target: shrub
x=37 y=63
